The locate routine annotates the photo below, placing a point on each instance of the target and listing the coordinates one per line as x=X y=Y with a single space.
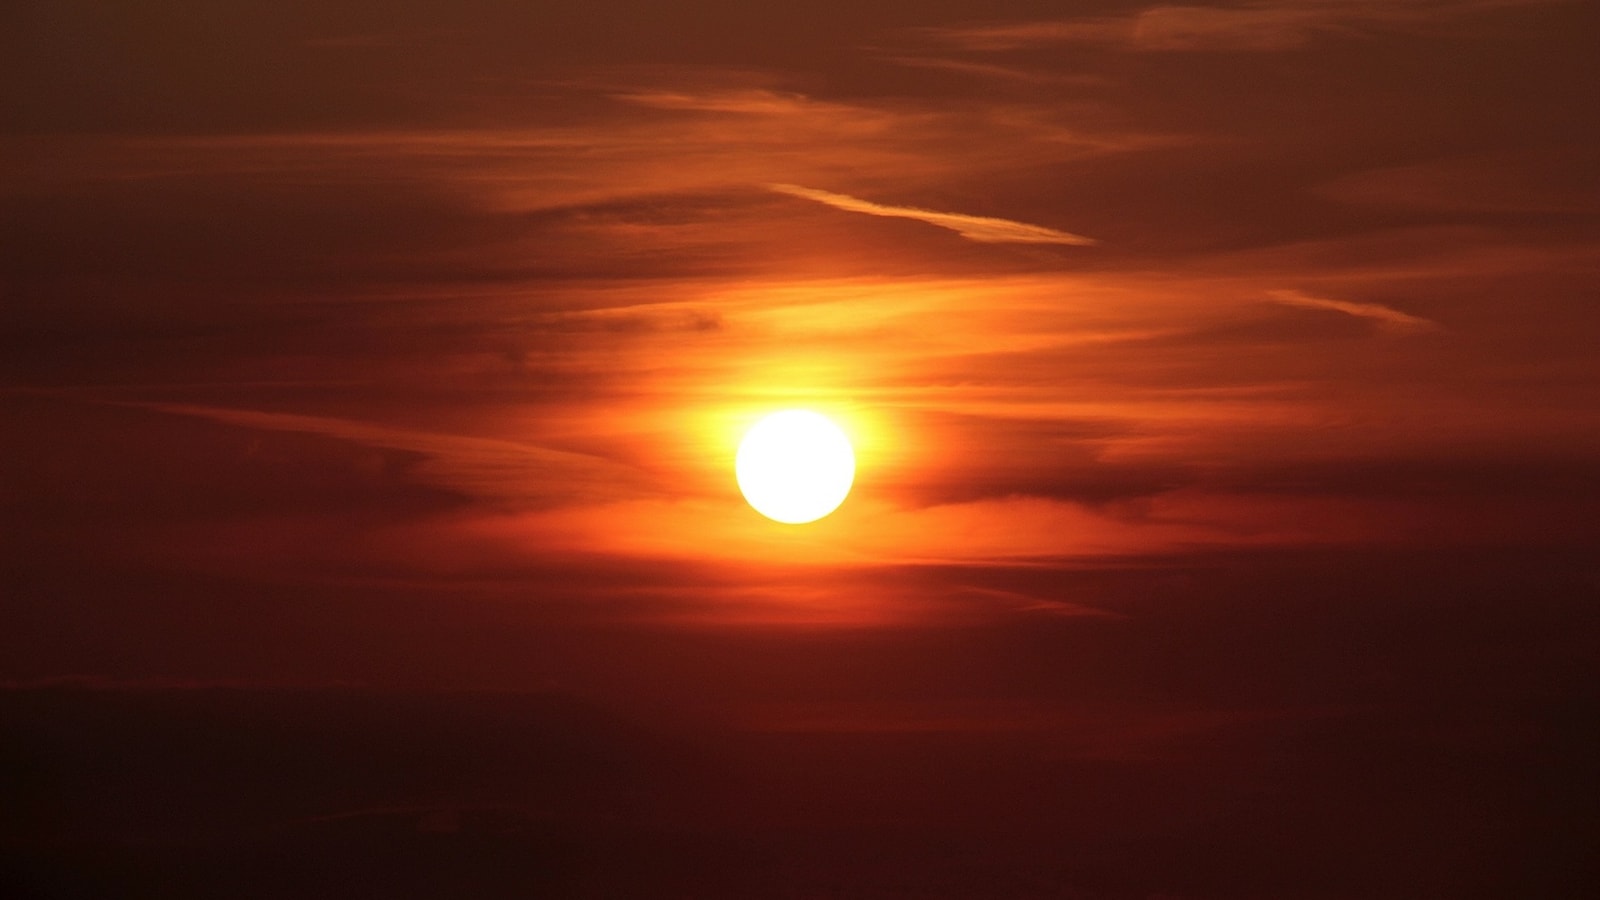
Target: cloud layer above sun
x=531 y=273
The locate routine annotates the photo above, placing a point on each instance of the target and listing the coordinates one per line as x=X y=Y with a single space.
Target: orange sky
x=410 y=343
x=1123 y=282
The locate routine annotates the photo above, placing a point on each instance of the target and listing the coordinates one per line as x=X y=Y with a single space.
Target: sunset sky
x=1224 y=381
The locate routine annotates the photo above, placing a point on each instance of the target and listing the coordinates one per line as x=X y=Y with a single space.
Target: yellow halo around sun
x=795 y=466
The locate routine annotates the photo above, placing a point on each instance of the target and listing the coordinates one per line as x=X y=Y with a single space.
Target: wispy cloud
x=1023 y=602
x=1541 y=180
x=749 y=101
x=1260 y=26
x=504 y=471
x=1389 y=319
x=983 y=229
x=996 y=72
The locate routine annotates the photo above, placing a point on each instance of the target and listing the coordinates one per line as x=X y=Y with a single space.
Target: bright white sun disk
x=795 y=466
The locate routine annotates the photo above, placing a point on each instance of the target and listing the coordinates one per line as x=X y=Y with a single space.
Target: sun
x=795 y=466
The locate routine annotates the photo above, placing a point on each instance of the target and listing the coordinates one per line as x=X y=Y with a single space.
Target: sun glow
x=795 y=466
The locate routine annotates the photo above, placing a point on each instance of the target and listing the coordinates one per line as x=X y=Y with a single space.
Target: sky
x=1222 y=379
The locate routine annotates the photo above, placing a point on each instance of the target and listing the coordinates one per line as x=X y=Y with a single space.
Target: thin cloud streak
x=1001 y=73
x=1257 y=27
x=752 y=101
x=1389 y=319
x=976 y=228
x=702 y=142
x=488 y=468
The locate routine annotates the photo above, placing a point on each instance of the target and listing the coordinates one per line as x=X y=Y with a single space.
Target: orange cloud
x=488 y=468
x=1265 y=25
x=977 y=228
x=1389 y=319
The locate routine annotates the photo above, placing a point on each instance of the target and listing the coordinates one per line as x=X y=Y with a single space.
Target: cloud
x=1260 y=26
x=1025 y=602
x=977 y=228
x=695 y=142
x=501 y=470
x=1001 y=73
x=752 y=101
x=1546 y=180
x=1081 y=731
x=1388 y=319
